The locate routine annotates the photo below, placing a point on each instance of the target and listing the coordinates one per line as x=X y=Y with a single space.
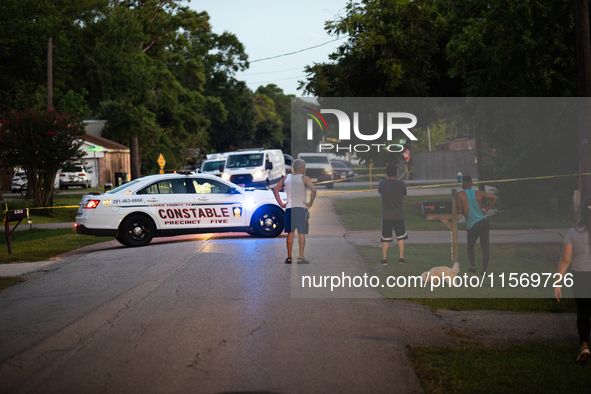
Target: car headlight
x=226 y=176
x=258 y=174
x=328 y=172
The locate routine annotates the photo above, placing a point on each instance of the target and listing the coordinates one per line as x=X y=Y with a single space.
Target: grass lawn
x=364 y=213
x=504 y=258
x=58 y=215
x=541 y=368
x=41 y=245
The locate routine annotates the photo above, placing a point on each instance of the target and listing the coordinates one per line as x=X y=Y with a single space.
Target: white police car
x=175 y=204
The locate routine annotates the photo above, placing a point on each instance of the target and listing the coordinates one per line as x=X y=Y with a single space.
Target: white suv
x=74 y=176
x=19 y=182
x=318 y=168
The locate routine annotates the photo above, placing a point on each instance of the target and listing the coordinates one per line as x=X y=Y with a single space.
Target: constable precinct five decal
x=216 y=215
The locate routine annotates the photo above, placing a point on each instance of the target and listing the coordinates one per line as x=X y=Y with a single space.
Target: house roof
x=112 y=145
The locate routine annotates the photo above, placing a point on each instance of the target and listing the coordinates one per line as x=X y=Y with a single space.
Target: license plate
x=314 y=179
x=343 y=176
x=241 y=184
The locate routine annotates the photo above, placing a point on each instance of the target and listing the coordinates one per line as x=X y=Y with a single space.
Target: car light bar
x=92 y=204
x=81 y=174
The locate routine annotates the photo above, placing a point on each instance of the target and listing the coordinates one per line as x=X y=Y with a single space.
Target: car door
x=218 y=204
x=172 y=203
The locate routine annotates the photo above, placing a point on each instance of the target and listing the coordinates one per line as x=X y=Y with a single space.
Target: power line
x=276 y=80
x=272 y=72
x=301 y=50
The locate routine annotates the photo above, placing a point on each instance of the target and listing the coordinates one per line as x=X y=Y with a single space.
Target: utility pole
x=583 y=52
x=49 y=74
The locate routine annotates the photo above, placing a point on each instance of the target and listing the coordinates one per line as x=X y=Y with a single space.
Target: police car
x=175 y=204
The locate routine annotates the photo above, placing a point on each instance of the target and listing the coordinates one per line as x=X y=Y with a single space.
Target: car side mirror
x=268 y=166
x=232 y=190
x=221 y=168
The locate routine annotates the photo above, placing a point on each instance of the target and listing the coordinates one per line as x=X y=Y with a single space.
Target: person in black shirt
x=393 y=192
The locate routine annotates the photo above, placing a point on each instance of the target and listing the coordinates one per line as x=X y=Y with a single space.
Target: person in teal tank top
x=470 y=205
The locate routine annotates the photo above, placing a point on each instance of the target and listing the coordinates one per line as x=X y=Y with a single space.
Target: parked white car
x=73 y=176
x=19 y=182
x=175 y=204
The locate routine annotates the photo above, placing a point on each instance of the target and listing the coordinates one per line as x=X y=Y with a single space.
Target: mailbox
x=17 y=214
x=431 y=207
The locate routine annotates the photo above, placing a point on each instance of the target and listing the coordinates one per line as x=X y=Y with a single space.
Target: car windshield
x=315 y=159
x=124 y=186
x=338 y=164
x=213 y=165
x=245 y=160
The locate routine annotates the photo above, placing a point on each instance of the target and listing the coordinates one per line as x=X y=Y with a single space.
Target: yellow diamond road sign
x=161 y=163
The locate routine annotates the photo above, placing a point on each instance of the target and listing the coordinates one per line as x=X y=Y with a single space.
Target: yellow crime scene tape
x=409 y=187
x=66 y=206
x=455 y=183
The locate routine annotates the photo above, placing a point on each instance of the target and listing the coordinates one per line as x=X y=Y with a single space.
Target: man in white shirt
x=296 y=218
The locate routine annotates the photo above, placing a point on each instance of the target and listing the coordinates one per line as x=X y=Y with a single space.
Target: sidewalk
x=552 y=235
x=357 y=238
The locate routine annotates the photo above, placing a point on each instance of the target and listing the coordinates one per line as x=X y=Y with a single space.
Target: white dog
x=448 y=273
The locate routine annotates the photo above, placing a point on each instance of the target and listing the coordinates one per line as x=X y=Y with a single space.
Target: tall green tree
x=513 y=48
x=146 y=57
x=267 y=123
x=24 y=31
x=283 y=111
x=394 y=48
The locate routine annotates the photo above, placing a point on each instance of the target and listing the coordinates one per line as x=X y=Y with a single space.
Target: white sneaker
x=583 y=355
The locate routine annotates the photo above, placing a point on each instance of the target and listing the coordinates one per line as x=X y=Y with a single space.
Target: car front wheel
x=136 y=230
x=268 y=222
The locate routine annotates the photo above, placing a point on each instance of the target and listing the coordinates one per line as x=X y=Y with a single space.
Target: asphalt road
x=205 y=314
x=224 y=314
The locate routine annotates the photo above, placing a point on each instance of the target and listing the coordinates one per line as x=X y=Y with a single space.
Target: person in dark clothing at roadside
x=576 y=255
x=470 y=205
x=393 y=192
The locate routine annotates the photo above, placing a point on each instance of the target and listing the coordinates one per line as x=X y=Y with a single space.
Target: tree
x=530 y=137
x=142 y=65
x=519 y=48
x=395 y=48
x=148 y=57
x=41 y=142
x=513 y=48
x=283 y=111
x=236 y=128
x=24 y=31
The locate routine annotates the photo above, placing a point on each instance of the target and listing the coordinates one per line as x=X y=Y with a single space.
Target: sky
x=269 y=28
